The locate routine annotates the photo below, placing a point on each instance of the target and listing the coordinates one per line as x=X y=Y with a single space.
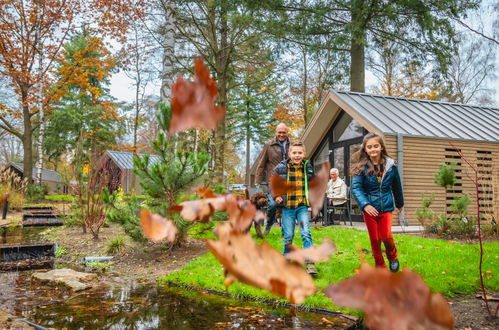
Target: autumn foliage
x=193 y=102
x=393 y=301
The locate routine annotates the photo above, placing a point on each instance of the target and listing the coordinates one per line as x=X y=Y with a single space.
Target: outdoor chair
x=328 y=211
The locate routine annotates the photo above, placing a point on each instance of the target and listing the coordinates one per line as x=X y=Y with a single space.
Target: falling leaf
x=206 y=192
x=157 y=228
x=241 y=212
x=279 y=186
x=259 y=265
x=199 y=210
x=317 y=189
x=392 y=300
x=193 y=102
x=314 y=254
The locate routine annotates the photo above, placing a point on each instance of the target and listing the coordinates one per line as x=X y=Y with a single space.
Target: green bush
x=116 y=244
x=60 y=251
x=126 y=214
x=463 y=227
x=99 y=266
x=34 y=192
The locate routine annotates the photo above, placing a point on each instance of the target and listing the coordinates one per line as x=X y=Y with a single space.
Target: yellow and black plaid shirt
x=296 y=176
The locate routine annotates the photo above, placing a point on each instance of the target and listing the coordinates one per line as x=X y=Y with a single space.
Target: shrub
x=34 y=192
x=99 y=266
x=463 y=226
x=126 y=214
x=60 y=251
x=425 y=214
x=116 y=244
x=460 y=206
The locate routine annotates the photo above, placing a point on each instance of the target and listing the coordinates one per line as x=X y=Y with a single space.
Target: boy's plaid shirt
x=296 y=176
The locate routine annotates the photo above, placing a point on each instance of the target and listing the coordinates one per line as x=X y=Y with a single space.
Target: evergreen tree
x=164 y=180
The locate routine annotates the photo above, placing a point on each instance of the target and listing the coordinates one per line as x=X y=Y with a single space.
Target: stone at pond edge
x=76 y=281
x=7 y=322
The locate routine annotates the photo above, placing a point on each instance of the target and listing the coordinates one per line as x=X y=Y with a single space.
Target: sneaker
x=310 y=268
x=394 y=266
x=266 y=231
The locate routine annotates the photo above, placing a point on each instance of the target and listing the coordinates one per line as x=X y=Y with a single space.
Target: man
x=274 y=151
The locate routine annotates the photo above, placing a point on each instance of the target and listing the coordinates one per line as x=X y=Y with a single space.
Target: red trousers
x=380 y=230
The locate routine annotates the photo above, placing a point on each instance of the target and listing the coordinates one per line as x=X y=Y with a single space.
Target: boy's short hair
x=297 y=144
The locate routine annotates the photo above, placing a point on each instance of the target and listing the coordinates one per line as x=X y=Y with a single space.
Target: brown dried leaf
x=206 y=192
x=259 y=265
x=241 y=212
x=314 y=254
x=279 y=186
x=392 y=300
x=317 y=189
x=193 y=102
x=199 y=210
x=157 y=228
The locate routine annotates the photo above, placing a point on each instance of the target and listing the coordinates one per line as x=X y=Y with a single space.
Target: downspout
x=400 y=166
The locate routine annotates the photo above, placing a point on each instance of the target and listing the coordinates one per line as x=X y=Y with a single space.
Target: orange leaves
x=314 y=254
x=157 y=228
x=279 y=186
x=317 y=189
x=259 y=265
x=393 y=300
x=193 y=102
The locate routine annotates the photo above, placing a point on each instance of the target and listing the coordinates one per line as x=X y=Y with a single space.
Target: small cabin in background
x=119 y=166
x=51 y=179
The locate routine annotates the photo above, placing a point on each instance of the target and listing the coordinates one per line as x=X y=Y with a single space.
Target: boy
x=296 y=171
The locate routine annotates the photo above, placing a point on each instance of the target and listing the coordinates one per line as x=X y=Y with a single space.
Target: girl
x=375 y=186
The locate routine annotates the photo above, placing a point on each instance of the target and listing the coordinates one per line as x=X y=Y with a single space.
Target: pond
x=121 y=305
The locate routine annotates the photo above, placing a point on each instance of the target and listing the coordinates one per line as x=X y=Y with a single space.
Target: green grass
x=59 y=197
x=447 y=267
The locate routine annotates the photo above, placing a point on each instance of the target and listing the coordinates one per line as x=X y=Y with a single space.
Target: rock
x=76 y=281
x=7 y=322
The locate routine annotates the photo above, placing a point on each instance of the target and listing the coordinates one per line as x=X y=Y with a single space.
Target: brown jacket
x=271 y=156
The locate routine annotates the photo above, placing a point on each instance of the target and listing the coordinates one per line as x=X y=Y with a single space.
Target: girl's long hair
x=360 y=159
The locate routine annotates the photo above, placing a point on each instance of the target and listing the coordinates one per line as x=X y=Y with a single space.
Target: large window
x=346 y=128
x=322 y=156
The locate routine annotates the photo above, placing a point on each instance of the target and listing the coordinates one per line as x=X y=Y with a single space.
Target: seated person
x=336 y=189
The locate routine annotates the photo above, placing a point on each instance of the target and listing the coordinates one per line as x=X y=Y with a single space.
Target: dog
x=260 y=200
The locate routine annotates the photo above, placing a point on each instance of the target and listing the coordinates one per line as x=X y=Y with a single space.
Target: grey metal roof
x=47 y=175
x=414 y=117
x=125 y=159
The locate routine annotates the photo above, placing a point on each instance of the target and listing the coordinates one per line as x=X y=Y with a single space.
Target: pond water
x=145 y=306
x=127 y=305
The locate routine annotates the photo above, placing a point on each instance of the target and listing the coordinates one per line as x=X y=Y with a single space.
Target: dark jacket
x=368 y=191
x=282 y=170
x=271 y=156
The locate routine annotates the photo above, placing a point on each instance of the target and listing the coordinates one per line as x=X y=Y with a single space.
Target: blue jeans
x=288 y=226
x=271 y=211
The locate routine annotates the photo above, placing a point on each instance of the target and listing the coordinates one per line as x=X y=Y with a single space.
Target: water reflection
x=132 y=306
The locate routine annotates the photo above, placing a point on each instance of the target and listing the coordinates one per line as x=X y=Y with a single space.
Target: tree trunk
x=41 y=118
x=27 y=139
x=357 y=50
x=168 y=50
x=222 y=68
x=248 y=139
x=305 y=87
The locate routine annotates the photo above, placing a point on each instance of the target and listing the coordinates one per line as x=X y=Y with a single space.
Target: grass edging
x=272 y=302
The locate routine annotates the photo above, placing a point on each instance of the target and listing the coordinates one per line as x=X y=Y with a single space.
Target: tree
x=164 y=180
x=223 y=33
x=421 y=27
x=253 y=102
x=470 y=68
x=446 y=178
x=27 y=25
x=84 y=112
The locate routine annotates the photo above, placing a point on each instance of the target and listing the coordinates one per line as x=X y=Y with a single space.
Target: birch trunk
x=168 y=7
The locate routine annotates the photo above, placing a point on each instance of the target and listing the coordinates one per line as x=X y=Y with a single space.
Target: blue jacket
x=282 y=170
x=368 y=191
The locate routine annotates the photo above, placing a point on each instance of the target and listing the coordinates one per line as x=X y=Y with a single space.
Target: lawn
x=447 y=267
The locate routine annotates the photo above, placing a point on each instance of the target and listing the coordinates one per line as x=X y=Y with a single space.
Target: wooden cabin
x=419 y=135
